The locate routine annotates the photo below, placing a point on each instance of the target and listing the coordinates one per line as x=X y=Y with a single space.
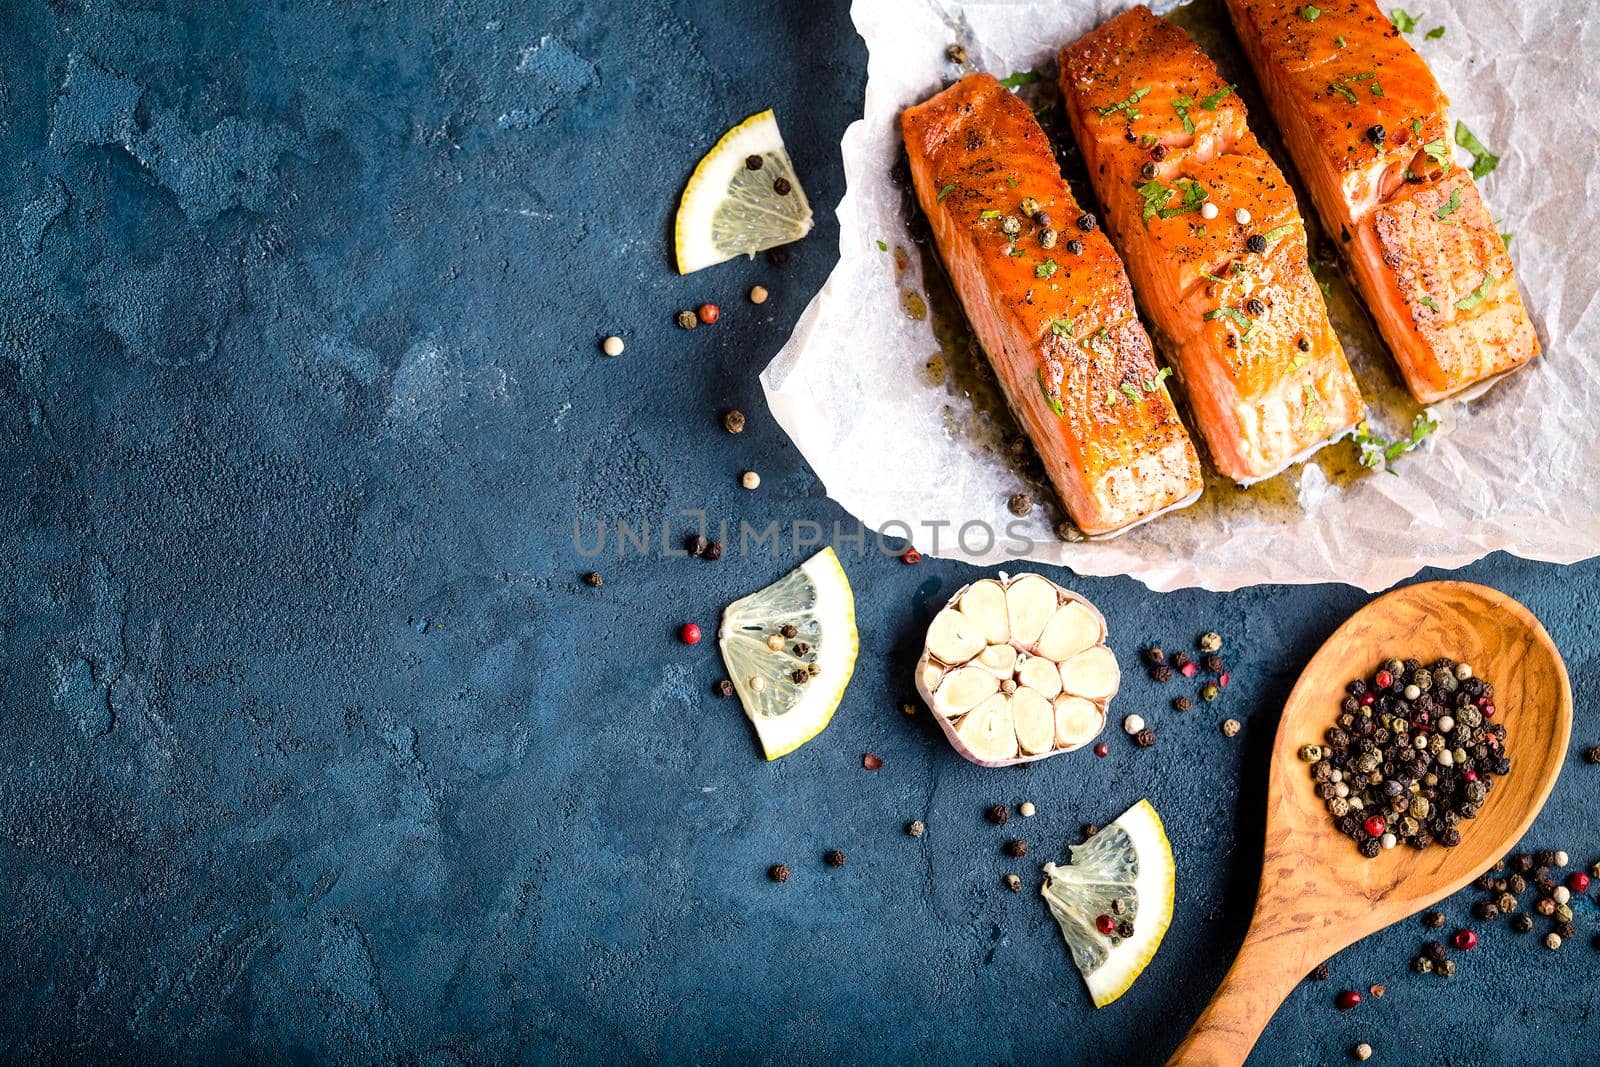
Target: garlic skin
x=1015 y=669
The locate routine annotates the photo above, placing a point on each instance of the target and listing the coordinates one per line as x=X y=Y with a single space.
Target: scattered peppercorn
x=612 y=346
x=1319 y=973
x=1378 y=990
x=1075 y=247
x=593 y=579
x=733 y=420
x=1090 y=829
x=778 y=873
x=1303 y=344
x=1552 y=941
x=1521 y=923
x=1149 y=171
x=834 y=858
x=1016 y=848
x=687 y=320
x=1434 y=950
x=908 y=708
x=1020 y=504
x=999 y=814
x=689 y=633
x=1162 y=674
x=723 y=688
x=1376 y=134
x=956 y=53
x=1346 y=1000
x=1086 y=222
x=781 y=186
x=1209 y=692
x=1145 y=738
x=911 y=555
x=1256 y=244
x=1592 y=755
x=713 y=551
x=1048 y=237
x=1180 y=660
x=871 y=762
x=1210 y=641
x=1213 y=664
x=1026 y=809
x=1433 y=920
x=1230 y=727
x=1102 y=750
x=916 y=828
x=1158 y=151
x=709 y=313
x=750 y=480
x=1445 y=968
x=1465 y=939
x=1362 y=1051
x=752 y=162
x=777 y=256
x=1182 y=703
x=696 y=544
x=1013 y=883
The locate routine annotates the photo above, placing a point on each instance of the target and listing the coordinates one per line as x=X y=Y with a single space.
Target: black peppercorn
x=1158 y=152
x=1521 y=923
x=789 y=631
x=1162 y=673
x=1487 y=910
x=1516 y=883
x=723 y=688
x=1254 y=306
x=1319 y=973
x=1016 y=848
x=1484 y=881
x=1090 y=829
x=1125 y=928
x=1145 y=738
x=752 y=162
x=1567 y=931
x=1303 y=344
x=1075 y=247
x=1450 y=837
x=999 y=814
x=1544 y=858
x=1086 y=222
x=1433 y=920
x=778 y=873
x=1149 y=171
x=1213 y=664
x=697 y=545
x=1376 y=134
x=1522 y=862
x=834 y=858
x=1182 y=703
x=593 y=579
x=1592 y=755
x=1155 y=656
x=777 y=256
x=1256 y=243
x=1434 y=950
x=781 y=186
x=713 y=551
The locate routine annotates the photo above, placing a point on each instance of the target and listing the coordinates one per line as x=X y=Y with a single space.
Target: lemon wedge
x=790 y=649
x=1124 y=873
x=731 y=208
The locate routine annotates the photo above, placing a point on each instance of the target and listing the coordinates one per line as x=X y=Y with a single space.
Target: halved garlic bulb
x=1016 y=669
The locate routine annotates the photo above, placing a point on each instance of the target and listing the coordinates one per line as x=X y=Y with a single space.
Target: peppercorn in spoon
x=1319 y=894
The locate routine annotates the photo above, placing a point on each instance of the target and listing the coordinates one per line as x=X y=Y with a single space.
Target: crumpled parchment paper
x=902 y=428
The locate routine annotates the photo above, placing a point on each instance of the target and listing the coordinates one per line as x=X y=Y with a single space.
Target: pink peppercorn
x=1105 y=924
x=911 y=555
x=689 y=633
x=1375 y=826
x=1464 y=939
x=1101 y=750
x=1347 y=1000
x=1384 y=679
x=1578 y=882
x=1367 y=700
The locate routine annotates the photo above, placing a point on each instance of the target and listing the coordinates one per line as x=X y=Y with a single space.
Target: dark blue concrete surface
x=314 y=747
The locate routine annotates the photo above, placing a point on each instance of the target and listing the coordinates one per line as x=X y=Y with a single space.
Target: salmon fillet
x=1369 y=129
x=1057 y=322
x=1240 y=315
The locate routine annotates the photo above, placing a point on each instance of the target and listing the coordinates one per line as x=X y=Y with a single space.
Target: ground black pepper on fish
x=1413 y=754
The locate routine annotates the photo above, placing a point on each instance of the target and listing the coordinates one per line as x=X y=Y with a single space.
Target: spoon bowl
x=1318 y=893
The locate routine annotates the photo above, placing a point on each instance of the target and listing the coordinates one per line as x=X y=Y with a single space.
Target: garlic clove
x=931 y=673
x=964 y=689
x=1039 y=674
x=1001 y=659
x=989 y=730
x=1035 y=721
x=985 y=604
x=1070 y=630
x=1078 y=721
x=1092 y=673
x=953 y=637
x=1030 y=601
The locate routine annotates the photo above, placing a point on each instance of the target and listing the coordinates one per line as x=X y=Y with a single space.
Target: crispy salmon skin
x=1049 y=301
x=1164 y=136
x=1369 y=130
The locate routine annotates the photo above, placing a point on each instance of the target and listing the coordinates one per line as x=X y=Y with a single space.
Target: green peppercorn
x=1209 y=691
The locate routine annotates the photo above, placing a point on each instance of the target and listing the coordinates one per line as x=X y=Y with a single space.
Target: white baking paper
x=1516 y=469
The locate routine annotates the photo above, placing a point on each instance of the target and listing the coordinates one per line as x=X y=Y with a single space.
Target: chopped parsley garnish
x=1155 y=195
x=1278 y=233
x=1011 y=180
x=1129 y=391
x=1506 y=237
x=1474 y=298
x=1155 y=383
x=990 y=213
x=1483 y=160
x=1210 y=102
x=1435 y=33
x=1449 y=208
x=1047 y=269
x=1062 y=327
x=1339 y=41
x=882 y=247
x=1208 y=276
x=1051 y=399
x=1439 y=152
x=1194 y=194
x=1427 y=301
x=1111 y=397
x=1344 y=90
x=1181 y=105
x=1246 y=327
x=1021 y=77
x=1374 y=451
x=1126 y=105
x=1100 y=342
x=1403 y=22
x=1310 y=13
x=944 y=192
x=1311 y=395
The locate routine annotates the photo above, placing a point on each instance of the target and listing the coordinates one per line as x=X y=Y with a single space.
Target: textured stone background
x=313 y=746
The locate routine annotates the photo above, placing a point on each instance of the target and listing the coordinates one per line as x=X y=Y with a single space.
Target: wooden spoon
x=1318 y=893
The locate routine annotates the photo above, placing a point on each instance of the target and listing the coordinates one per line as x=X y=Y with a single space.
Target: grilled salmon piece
x=1242 y=316
x=1369 y=129
x=1057 y=321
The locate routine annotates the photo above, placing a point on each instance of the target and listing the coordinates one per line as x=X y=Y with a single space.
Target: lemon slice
x=789 y=692
x=1124 y=872
x=729 y=210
